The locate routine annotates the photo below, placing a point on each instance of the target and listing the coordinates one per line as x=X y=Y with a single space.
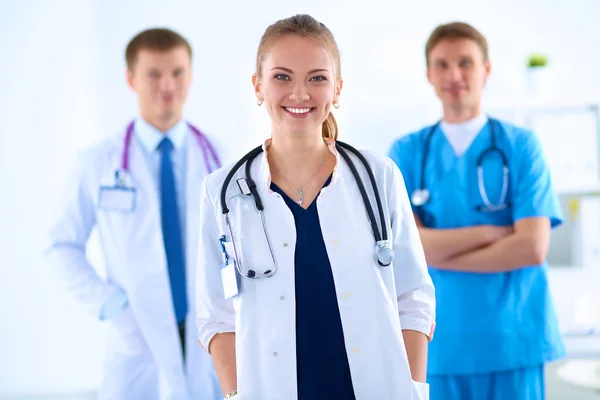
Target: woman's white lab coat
x=376 y=303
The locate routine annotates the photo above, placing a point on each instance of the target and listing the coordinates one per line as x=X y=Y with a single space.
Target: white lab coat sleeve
x=214 y=313
x=69 y=231
x=414 y=288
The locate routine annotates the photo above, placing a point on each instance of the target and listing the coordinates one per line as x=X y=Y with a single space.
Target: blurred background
x=62 y=88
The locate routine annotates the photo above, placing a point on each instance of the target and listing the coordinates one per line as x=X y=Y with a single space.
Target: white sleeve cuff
x=425 y=326
x=207 y=332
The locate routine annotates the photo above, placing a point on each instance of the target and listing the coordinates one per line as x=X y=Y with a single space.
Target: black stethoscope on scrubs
x=421 y=196
x=383 y=248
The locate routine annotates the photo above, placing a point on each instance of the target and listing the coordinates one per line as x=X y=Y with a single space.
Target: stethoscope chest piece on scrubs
x=420 y=197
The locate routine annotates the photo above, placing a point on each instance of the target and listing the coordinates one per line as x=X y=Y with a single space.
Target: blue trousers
x=517 y=384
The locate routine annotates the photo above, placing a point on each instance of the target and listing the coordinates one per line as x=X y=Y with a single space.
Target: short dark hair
x=161 y=39
x=456 y=30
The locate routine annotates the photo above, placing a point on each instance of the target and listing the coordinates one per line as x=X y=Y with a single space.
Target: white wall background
x=62 y=87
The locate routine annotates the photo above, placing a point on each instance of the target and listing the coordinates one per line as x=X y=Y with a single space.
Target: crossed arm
x=487 y=248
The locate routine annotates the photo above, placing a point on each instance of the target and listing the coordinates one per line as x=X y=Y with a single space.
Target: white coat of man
x=141 y=189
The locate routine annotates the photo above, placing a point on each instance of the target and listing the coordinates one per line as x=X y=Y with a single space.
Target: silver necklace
x=300 y=189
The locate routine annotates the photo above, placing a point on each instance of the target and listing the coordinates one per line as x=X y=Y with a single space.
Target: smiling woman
x=304 y=328
x=299 y=82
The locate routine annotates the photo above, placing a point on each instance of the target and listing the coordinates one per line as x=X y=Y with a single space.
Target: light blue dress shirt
x=149 y=137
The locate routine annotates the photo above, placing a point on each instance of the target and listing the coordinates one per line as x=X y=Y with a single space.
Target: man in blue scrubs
x=485 y=232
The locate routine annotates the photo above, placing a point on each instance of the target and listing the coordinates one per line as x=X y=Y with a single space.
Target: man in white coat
x=141 y=190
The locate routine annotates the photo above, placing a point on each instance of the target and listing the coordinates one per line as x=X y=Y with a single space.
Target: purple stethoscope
x=208 y=152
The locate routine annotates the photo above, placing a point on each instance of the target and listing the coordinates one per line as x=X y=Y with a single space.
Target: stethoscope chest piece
x=385 y=254
x=420 y=197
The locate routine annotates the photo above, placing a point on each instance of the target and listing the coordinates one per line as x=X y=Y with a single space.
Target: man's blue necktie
x=171 y=230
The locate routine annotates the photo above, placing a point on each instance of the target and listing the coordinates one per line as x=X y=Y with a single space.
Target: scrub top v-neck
x=322 y=363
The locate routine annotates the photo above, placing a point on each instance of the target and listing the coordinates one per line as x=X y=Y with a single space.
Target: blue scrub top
x=485 y=322
x=322 y=363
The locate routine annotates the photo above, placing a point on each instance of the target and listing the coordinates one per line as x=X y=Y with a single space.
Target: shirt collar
x=151 y=136
x=475 y=124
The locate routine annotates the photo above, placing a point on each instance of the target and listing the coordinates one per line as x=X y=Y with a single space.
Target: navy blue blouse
x=322 y=362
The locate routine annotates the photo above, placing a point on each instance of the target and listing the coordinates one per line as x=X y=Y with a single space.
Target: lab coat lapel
x=277 y=328
x=149 y=282
x=248 y=232
x=132 y=232
x=195 y=173
x=199 y=368
x=147 y=214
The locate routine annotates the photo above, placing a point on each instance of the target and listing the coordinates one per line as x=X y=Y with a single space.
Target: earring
x=259 y=102
x=336 y=104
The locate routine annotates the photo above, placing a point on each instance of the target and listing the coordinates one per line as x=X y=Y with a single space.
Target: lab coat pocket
x=420 y=391
x=116 y=199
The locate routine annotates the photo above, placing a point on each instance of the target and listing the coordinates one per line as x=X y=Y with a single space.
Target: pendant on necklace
x=301 y=194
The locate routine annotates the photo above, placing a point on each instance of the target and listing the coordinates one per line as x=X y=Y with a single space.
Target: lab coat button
x=285 y=244
x=281 y=297
x=346 y=295
x=356 y=350
x=274 y=354
x=335 y=242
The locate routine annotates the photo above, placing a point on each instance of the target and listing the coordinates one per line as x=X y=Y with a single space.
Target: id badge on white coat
x=229 y=274
x=117 y=198
x=229 y=279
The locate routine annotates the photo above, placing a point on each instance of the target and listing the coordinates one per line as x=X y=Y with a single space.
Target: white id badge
x=117 y=198
x=229 y=277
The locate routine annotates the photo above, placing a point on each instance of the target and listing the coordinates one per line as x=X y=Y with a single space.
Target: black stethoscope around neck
x=383 y=247
x=421 y=195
